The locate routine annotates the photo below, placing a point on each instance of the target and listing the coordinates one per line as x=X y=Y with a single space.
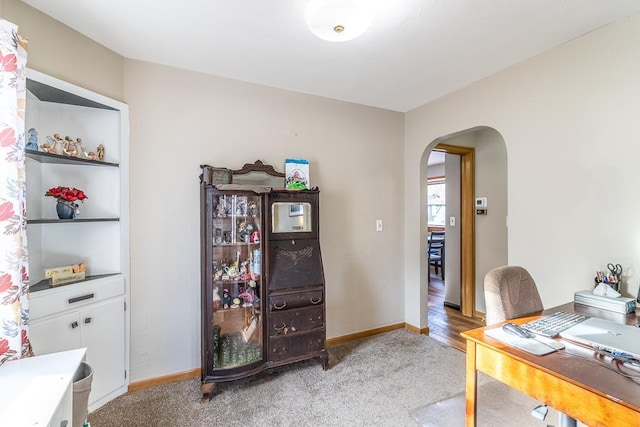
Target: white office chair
x=511 y=292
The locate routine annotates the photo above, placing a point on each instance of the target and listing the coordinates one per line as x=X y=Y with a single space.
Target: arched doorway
x=483 y=238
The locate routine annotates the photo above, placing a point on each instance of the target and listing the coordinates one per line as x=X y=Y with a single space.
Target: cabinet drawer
x=296 y=345
x=291 y=321
x=295 y=300
x=68 y=297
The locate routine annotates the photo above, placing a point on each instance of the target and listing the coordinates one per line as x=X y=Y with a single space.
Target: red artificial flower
x=66 y=193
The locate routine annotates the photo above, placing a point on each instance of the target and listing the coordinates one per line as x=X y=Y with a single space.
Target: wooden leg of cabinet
x=207 y=392
x=324 y=357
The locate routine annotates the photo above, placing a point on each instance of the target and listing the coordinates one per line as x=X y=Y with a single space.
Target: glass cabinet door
x=236 y=261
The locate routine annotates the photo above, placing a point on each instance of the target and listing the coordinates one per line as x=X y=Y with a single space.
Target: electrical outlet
x=378 y=225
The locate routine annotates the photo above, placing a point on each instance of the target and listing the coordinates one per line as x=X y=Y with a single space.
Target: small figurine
x=56 y=143
x=220 y=211
x=32 y=143
x=244 y=231
x=100 y=151
x=48 y=148
x=69 y=147
x=80 y=148
x=216 y=298
x=252 y=208
x=247 y=298
x=255 y=237
x=226 y=298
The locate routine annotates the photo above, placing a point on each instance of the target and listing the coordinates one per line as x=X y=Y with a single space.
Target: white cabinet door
x=103 y=334
x=55 y=334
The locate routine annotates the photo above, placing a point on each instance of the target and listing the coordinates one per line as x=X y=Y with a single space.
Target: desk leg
x=472 y=385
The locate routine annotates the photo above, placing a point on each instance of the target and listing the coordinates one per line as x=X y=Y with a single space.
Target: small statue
x=79 y=148
x=100 y=151
x=220 y=211
x=226 y=299
x=216 y=298
x=252 y=208
x=246 y=297
x=48 y=148
x=69 y=147
x=56 y=144
x=32 y=143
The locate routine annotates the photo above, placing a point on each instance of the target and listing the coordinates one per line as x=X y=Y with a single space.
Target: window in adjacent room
x=436 y=202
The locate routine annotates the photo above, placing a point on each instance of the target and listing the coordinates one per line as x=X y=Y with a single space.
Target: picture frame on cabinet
x=296 y=209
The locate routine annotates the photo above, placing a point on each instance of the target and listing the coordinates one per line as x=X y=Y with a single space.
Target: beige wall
x=569 y=118
x=491 y=229
x=62 y=52
x=182 y=119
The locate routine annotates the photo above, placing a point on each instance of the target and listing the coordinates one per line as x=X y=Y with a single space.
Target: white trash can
x=81 y=389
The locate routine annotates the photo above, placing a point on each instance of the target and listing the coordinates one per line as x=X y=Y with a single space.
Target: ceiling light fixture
x=339 y=20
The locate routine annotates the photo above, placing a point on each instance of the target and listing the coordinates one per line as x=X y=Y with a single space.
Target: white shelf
x=98 y=236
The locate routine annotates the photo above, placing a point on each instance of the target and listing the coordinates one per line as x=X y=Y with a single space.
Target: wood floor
x=445 y=323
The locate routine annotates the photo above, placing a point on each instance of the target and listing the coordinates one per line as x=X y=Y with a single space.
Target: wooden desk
x=580 y=387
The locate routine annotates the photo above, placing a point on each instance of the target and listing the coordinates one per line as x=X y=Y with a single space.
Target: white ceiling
x=414 y=52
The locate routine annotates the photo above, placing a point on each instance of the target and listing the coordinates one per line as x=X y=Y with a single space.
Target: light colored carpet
x=378 y=381
x=498 y=404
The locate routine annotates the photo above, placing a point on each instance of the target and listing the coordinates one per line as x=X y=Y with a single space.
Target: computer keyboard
x=552 y=324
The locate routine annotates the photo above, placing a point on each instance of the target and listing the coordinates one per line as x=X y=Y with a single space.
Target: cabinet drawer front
x=295 y=263
x=297 y=300
x=291 y=346
x=292 y=321
x=69 y=297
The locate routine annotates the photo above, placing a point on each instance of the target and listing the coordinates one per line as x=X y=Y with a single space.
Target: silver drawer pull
x=87 y=320
x=312 y=301
x=82 y=298
x=74 y=325
x=279 y=328
x=279 y=307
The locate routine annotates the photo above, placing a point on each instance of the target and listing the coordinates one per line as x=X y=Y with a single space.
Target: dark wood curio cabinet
x=263 y=295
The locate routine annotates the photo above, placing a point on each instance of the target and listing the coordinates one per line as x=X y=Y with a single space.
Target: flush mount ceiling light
x=339 y=20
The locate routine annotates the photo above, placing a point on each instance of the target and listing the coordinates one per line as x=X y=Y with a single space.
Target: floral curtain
x=14 y=276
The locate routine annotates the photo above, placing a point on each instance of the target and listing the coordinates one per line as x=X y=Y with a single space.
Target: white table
x=38 y=391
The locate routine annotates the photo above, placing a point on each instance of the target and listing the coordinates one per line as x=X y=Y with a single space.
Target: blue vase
x=65 y=211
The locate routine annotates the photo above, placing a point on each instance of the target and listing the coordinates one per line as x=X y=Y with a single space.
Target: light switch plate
x=378 y=225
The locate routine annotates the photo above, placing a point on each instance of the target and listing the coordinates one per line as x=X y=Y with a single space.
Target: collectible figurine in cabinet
x=252 y=208
x=226 y=298
x=216 y=298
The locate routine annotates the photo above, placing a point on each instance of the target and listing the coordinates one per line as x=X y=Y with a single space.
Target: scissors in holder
x=615 y=269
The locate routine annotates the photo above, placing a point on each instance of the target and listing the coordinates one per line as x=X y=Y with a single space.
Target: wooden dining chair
x=435 y=255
